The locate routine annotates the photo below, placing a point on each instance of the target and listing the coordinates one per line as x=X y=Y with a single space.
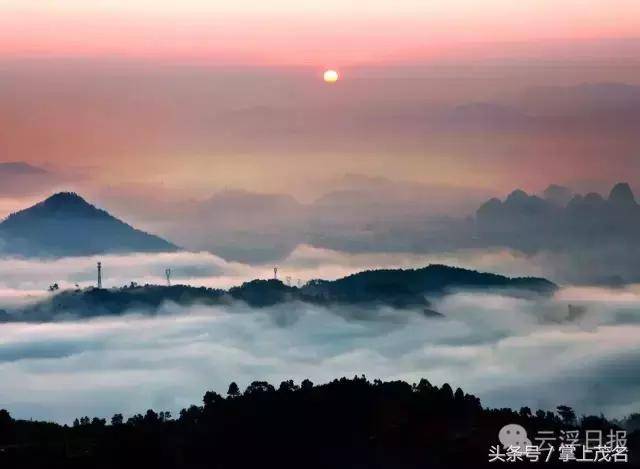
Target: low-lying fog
x=510 y=352
x=33 y=276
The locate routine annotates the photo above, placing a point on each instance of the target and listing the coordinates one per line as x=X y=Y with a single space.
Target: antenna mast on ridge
x=167 y=272
x=275 y=273
x=99 y=274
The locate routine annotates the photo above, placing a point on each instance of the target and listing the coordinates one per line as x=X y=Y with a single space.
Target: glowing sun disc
x=331 y=76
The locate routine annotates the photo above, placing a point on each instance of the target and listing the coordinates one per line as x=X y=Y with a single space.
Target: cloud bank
x=509 y=351
x=23 y=277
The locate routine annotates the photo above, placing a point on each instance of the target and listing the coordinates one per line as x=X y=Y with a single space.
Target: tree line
x=346 y=423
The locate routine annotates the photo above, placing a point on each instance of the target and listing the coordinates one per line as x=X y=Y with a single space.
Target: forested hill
x=397 y=288
x=347 y=423
x=405 y=286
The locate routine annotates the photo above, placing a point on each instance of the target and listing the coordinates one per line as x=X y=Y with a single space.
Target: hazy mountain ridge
x=547 y=222
x=19 y=168
x=586 y=238
x=606 y=97
x=66 y=225
x=21 y=179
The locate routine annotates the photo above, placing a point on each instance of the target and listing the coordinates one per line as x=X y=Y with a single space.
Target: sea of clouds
x=509 y=351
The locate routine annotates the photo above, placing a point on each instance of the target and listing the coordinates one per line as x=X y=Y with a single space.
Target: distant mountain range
x=20 y=179
x=560 y=218
x=584 y=99
x=67 y=225
x=405 y=289
x=20 y=168
x=594 y=239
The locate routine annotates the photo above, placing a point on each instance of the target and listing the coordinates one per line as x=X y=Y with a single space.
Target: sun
x=331 y=76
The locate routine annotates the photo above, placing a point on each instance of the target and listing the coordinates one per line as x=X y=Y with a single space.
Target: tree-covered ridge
x=344 y=423
x=399 y=288
x=402 y=287
x=92 y=302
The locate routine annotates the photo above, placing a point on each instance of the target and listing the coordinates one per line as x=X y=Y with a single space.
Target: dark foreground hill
x=412 y=289
x=66 y=225
x=347 y=423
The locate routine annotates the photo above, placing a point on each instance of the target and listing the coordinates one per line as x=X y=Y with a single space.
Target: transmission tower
x=99 y=274
x=167 y=272
x=275 y=273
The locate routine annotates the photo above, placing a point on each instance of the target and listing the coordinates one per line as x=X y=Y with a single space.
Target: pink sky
x=407 y=67
x=316 y=33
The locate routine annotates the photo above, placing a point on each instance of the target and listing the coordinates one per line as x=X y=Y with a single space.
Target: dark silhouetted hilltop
x=259 y=293
x=67 y=225
x=413 y=287
x=622 y=195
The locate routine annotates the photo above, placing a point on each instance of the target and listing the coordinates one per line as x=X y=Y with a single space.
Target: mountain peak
x=65 y=198
x=517 y=195
x=67 y=225
x=67 y=204
x=558 y=195
x=622 y=194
